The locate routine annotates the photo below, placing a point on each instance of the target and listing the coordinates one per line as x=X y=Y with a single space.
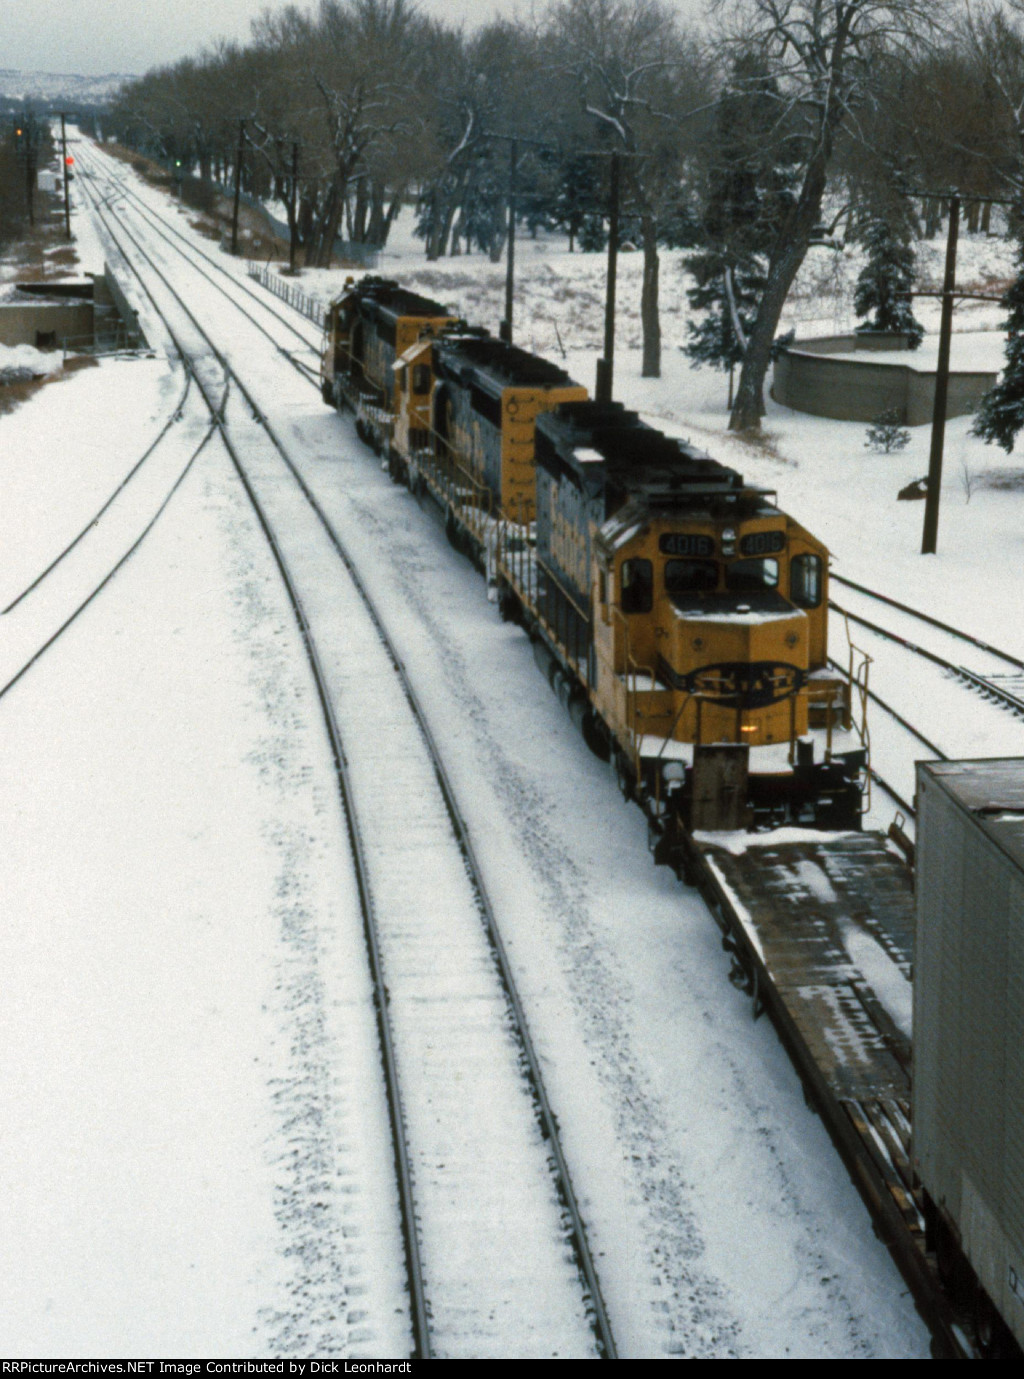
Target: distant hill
x=56 y=88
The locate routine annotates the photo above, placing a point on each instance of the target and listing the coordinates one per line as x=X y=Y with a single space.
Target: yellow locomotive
x=679 y=614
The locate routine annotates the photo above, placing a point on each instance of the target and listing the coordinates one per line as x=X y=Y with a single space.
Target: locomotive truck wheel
x=991 y=1334
x=508 y=606
x=595 y=736
x=624 y=775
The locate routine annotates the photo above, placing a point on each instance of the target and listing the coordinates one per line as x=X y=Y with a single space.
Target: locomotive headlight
x=729 y=541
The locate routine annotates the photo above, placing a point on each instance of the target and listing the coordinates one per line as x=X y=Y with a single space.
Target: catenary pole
x=67 y=198
x=510 y=264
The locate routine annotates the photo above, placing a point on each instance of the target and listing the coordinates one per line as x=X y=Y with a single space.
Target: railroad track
x=203 y=263
x=497 y=1258
x=958 y=726
x=1009 y=695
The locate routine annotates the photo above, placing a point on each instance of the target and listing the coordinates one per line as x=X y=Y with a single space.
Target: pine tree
x=1001 y=411
x=885 y=434
x=748 y=190
x=885 y=281
x=728 y=291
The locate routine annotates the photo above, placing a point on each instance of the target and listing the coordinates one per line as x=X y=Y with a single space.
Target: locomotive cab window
x=421 y=379
x=805 y=582
x=637 y=586
x=747 y=576
x=690 y=576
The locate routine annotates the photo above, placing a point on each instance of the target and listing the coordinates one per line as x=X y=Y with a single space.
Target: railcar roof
x=384 y=297
x=604 y=445
x=991 y=790
x=493 y=365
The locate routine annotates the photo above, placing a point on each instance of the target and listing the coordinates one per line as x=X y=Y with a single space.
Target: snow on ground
x=167 y=809
x=169 y=817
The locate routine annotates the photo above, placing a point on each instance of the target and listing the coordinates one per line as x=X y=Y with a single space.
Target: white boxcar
x=968 y=1082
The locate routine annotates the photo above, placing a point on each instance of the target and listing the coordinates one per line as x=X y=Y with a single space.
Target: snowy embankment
x=18 y=363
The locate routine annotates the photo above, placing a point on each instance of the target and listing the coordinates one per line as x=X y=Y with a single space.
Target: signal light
x=69 y=161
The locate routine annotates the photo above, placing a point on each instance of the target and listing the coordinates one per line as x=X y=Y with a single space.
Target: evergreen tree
x=885 y=281
x=1001 y=411
x=748 y=191
x=885 y=434
x=728 y=291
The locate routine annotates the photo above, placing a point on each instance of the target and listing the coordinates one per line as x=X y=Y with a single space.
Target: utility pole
x=505 y=330
x=238 y=186
x=30 y=167
x=606 y=365
x=67 y=197
x=293 y=226
x=930 y=536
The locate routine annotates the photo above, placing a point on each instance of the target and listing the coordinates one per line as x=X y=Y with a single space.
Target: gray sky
x=94 y=37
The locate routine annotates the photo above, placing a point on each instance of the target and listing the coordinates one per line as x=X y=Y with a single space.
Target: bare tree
x=821 y=53
x=637 y=76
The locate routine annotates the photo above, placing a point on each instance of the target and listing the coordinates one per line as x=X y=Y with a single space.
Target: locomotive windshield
x=690 y=576
x=743 y=576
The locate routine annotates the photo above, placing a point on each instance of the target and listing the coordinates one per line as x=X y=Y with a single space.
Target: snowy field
x=173 y=877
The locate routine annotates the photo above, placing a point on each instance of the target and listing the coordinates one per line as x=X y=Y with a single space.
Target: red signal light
x=70 y=161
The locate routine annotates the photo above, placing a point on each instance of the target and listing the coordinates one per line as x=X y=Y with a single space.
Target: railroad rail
x=927 y=618
x=373 y=881
x=194 y=254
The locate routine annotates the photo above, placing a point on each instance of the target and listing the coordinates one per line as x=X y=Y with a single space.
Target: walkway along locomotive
x=681 y=617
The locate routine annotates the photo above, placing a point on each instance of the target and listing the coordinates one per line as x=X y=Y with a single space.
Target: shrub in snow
x=885 y=434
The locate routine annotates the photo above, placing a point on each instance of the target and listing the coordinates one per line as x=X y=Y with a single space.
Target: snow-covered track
x=496 y=1251
x=932 y=704
x=174 y=416
x=926 y=618
x=225 y=282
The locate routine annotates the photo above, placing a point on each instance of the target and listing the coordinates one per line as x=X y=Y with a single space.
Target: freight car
x=968 y=1108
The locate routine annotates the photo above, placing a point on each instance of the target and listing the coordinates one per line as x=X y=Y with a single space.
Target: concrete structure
x=45 y=323
x=77 y=316
x=807 y=377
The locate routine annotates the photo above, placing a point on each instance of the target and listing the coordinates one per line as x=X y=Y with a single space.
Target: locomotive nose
x=744 y=660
